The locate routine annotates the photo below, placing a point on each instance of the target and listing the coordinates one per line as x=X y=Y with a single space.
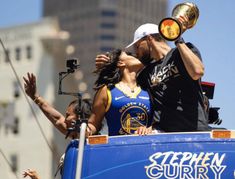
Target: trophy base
x=170 y=29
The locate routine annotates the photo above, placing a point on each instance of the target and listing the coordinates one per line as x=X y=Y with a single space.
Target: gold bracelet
x=37 y=101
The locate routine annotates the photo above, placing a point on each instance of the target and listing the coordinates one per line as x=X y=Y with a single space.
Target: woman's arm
x=98 y=110
x=56 y=118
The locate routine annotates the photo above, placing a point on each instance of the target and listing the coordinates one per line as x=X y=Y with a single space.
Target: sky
x=212 y=35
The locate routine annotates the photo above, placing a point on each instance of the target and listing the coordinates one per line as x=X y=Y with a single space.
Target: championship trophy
x=170 y=28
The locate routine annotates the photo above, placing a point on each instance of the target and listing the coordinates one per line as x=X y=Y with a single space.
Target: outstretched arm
x=56 y=118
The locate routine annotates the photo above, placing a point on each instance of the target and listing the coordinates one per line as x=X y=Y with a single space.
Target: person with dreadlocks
x=61 y=122
x=119 y=99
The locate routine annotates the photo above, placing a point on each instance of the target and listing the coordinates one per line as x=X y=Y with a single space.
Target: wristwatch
x=179 y=40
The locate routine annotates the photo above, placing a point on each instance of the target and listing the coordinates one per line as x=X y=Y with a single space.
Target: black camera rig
x=83 y=107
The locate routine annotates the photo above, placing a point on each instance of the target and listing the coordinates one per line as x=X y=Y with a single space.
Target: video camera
x=213 y=112
x=71 y=64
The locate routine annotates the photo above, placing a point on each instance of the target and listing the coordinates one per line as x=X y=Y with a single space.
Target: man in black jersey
x=172 y=77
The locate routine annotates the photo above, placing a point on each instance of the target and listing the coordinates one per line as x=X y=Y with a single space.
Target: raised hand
x=30 y=86
x=184 y=22
x=31 y=173
x=101 y=60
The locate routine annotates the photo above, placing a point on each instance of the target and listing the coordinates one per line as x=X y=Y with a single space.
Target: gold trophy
x=170 y=28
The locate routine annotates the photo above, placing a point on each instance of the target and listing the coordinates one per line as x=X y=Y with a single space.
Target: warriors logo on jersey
x=125 y=114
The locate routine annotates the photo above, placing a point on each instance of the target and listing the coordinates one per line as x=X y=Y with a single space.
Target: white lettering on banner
x=185 y=165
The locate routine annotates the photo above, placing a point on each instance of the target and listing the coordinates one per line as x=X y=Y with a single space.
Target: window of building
x=107 y=25
x=107 y=37
x=108 y=13
x=7 y=116
x=28 y=52
x=15 y=128
x=16 y=88
x=106 y=49
x=17 y=54
x=7 y=55
x=14 y=162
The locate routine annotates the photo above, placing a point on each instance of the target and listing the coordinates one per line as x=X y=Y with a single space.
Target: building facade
x=94 y=26
x=98 y=26
x=39 y=48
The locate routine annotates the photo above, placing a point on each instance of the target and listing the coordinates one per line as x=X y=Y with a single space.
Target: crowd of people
x=155 y=89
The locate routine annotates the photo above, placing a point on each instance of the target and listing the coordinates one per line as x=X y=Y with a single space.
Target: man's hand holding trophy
x=184 y=16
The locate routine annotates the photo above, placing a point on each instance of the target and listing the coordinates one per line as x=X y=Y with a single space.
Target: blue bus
x=197 y=155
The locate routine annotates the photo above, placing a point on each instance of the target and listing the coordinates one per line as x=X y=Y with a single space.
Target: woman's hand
x=30 y=86
x=101 y=60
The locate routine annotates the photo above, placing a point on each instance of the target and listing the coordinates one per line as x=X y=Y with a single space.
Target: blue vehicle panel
x=160 y=156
